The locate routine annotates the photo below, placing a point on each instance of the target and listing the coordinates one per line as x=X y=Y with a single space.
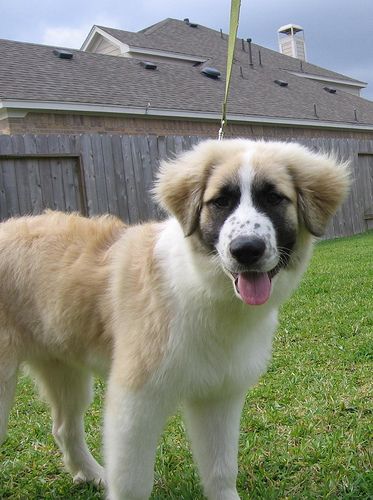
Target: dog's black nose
x=247 y=249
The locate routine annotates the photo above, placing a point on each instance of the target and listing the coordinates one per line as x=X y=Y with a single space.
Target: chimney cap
x=288 y=29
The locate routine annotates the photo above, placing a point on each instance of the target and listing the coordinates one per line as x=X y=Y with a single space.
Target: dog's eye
x=222 y=202
x=274 y=198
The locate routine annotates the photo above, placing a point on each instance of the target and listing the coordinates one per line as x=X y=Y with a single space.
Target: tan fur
x=54 y=272
x=310 y=180
x=312 y=177
x=182 y=182
x=142 y=317
x=57 y=275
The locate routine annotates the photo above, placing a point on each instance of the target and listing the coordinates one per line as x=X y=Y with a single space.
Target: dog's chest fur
x=215 y=342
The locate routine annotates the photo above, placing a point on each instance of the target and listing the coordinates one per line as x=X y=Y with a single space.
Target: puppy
x=175 y=312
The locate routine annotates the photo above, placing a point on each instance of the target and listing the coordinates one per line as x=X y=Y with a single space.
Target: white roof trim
x=125 y=48
x=98 y=31
x=351 y=83
x=177 y=114
x=163 y=53
x=89 y=38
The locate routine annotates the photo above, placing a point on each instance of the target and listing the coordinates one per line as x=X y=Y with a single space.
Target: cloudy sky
x=338 y=33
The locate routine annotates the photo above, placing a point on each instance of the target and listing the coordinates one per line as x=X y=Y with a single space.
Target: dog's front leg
x=213 y=426
x=134 y=420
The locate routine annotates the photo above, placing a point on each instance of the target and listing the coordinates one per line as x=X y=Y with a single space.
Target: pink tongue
x=254 y=288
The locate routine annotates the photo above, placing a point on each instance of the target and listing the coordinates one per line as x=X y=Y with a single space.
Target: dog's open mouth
x=253 y=288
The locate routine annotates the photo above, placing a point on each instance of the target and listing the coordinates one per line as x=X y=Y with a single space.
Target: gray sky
x=338 y=33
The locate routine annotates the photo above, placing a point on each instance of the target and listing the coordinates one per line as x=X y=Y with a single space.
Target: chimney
x=291 y=41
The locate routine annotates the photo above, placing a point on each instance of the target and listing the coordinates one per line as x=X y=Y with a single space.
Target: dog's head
x=249 y=202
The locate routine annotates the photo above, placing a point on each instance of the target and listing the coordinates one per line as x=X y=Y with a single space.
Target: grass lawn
x=306 y=429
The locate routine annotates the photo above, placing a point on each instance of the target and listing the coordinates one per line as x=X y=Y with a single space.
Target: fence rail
x=100 y=173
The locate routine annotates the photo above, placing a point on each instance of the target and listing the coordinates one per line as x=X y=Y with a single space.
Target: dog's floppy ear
x=322 y=184
x=181 y=183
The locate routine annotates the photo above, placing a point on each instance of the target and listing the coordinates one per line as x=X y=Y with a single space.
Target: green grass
x=306 y=429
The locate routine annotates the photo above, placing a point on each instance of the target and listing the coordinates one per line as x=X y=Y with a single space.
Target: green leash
x=233 y=27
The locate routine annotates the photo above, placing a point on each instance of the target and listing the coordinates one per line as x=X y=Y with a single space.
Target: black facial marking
x=268 y=200
x=256 y=225
x=216 y=211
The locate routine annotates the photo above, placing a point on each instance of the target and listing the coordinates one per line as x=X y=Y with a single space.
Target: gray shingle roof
x=32 y=72
x=177 y=36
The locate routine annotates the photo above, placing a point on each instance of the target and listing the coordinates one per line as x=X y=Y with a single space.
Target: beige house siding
x=103 y=46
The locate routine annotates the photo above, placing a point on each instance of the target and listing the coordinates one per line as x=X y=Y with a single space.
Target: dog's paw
x=96 y=479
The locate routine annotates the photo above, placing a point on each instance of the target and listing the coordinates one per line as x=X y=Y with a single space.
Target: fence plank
x=119 y=178
x=89 y=174
x=8 y=178
x=146 y=165
x=33 y=174
x=139 y=179
x=99 y=166
x=56 y=173
x=3 y=201
x=154 y=159
x=72 y=178
x=133 y=209
x=108 y=165
x=22 y=178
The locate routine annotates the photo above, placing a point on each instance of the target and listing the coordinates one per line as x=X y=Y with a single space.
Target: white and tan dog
x=180 y=311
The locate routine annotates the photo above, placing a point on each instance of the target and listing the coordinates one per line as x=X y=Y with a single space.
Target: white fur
x=218 y=347
x=246 y=220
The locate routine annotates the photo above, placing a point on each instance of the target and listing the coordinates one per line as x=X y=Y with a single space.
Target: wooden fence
x=97 y=174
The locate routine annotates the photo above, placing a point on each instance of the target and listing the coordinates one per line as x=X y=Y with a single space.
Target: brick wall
x=4 y=126
x=47 y=123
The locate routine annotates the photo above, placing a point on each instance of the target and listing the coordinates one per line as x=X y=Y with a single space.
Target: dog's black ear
x=181 y=184
x=322 y=183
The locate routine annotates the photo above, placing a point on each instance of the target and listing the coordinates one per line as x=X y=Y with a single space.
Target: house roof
x=178 y=36
x=32 y=77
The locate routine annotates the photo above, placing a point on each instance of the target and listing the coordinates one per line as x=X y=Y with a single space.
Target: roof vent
x=148 y=65
x=192 y=25
x=281 y=83
x=63 y=54
x=330 y=90
x=211 y=73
